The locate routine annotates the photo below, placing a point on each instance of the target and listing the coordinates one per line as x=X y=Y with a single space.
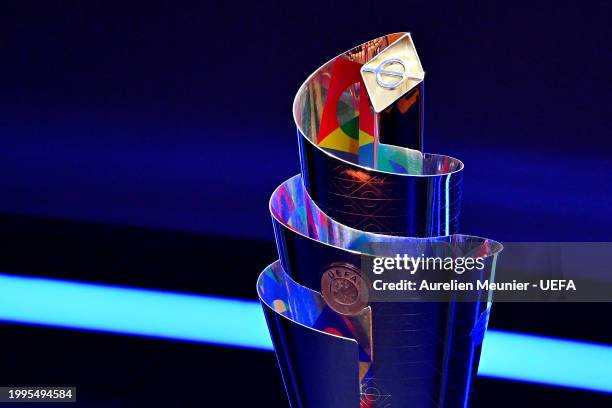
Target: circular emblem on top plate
x=390 y=73
x=343 y=288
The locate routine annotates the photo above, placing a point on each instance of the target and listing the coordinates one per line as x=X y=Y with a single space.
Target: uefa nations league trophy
x=367 y=190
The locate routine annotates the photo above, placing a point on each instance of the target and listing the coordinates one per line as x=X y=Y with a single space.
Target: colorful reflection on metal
x=365 y=181
x=239 y=323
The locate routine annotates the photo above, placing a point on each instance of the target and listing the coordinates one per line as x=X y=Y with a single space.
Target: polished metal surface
x=386 y=69
x=423 y=205
x=367 y=189
x=392 y=73
x=344 y=288
x=319 y=369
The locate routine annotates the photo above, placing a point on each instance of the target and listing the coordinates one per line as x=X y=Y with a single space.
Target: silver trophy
x=367 y=190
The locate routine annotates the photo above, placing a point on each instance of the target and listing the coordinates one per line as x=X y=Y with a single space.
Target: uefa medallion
x=344 y=289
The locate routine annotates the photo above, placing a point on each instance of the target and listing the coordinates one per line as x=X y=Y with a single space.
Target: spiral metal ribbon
x=365 y=183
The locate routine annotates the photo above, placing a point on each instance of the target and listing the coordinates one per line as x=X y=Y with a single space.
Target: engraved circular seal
x=344 y=289
x=390 y=73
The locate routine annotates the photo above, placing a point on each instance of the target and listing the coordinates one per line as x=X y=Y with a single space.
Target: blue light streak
x=116 y=309
x=545 y=360
x=240 y=323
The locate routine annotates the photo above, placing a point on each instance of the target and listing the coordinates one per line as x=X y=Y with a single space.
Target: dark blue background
x=178 y=115
x=140 y=141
